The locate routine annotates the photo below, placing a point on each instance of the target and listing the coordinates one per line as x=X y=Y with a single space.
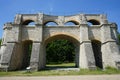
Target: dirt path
x=81 y=77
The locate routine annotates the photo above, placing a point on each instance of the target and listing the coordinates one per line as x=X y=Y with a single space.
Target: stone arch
x=66 y=37
x=28 y=22
x=71 y=22
x=93 y=22
x=62 y=33
x=50 y=23
x=26 y=53
x=96 y=46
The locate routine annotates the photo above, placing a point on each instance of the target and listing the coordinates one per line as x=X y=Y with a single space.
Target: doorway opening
x=26 y=54
x=96 y=45
x=60 y=54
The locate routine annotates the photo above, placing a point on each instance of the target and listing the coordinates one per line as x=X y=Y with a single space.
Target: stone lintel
x=84 y=25
x=85 y=42
x=108 y=41
x=37 y=25
x=109 y=24
x=16 y=25
x=13 y=42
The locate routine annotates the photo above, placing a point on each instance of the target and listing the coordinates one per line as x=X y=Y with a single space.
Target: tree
x=60 y=51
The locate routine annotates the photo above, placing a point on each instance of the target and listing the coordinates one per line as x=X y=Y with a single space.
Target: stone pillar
x=110 y=49
x=34 y=61
x=11 y=37
x=61 y=20
x=77 y=55
x=87 y=59
x=37 y=61
x=6 y=55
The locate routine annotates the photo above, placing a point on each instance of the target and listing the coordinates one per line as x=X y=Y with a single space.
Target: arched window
x=71 y=23
x=93 y=22
x=29 y=23
x=50 y=23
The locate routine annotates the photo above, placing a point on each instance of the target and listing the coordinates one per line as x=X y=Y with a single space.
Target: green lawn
x=62 y=65
x=61 y=72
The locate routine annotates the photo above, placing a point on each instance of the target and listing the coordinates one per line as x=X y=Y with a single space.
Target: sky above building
x=9 y=8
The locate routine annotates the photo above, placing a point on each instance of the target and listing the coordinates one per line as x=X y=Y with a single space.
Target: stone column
x=37 y=61
x=6 y=55
x=87 y=59
x=61 y=20
x=77 y=55
x=35 y=55
x=110 y=49
x=10 y=38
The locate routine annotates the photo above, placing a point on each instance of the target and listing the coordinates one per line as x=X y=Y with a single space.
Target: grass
x=108 y=70
x=62 y=65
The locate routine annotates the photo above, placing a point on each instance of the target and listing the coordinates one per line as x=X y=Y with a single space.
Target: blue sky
x=9 y=8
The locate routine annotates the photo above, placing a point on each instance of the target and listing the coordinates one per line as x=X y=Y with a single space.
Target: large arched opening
x=26 y=53
x=62 y=55
x=96 y=45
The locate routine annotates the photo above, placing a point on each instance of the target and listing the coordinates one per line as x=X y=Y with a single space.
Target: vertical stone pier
x=110 y=50
x=87 y=59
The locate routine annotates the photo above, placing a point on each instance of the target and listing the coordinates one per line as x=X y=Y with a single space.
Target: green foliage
x=62 y=65
x=119 y=38
x=110 y=68
x=0 y=41
x=60 y=51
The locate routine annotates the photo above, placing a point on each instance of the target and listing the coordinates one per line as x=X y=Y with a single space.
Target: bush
x=60 y=51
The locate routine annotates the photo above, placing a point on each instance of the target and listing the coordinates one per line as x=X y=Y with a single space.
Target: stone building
x=94 y=37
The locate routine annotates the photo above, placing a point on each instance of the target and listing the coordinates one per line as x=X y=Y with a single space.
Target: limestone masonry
x=94 y=37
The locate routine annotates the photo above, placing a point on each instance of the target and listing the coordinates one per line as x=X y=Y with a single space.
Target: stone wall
x=86 y=28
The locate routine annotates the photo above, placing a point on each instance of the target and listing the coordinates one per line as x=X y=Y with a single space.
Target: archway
x=96 y=45
x=50 y=23
x=71 y=23
x=63 y=41
x=29 y=23
x=26 y=53
x=93 y=22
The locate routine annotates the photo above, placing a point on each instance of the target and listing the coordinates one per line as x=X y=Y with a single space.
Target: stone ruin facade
x=94 y=37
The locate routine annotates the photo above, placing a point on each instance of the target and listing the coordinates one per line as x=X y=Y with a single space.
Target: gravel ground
x=80 y=77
